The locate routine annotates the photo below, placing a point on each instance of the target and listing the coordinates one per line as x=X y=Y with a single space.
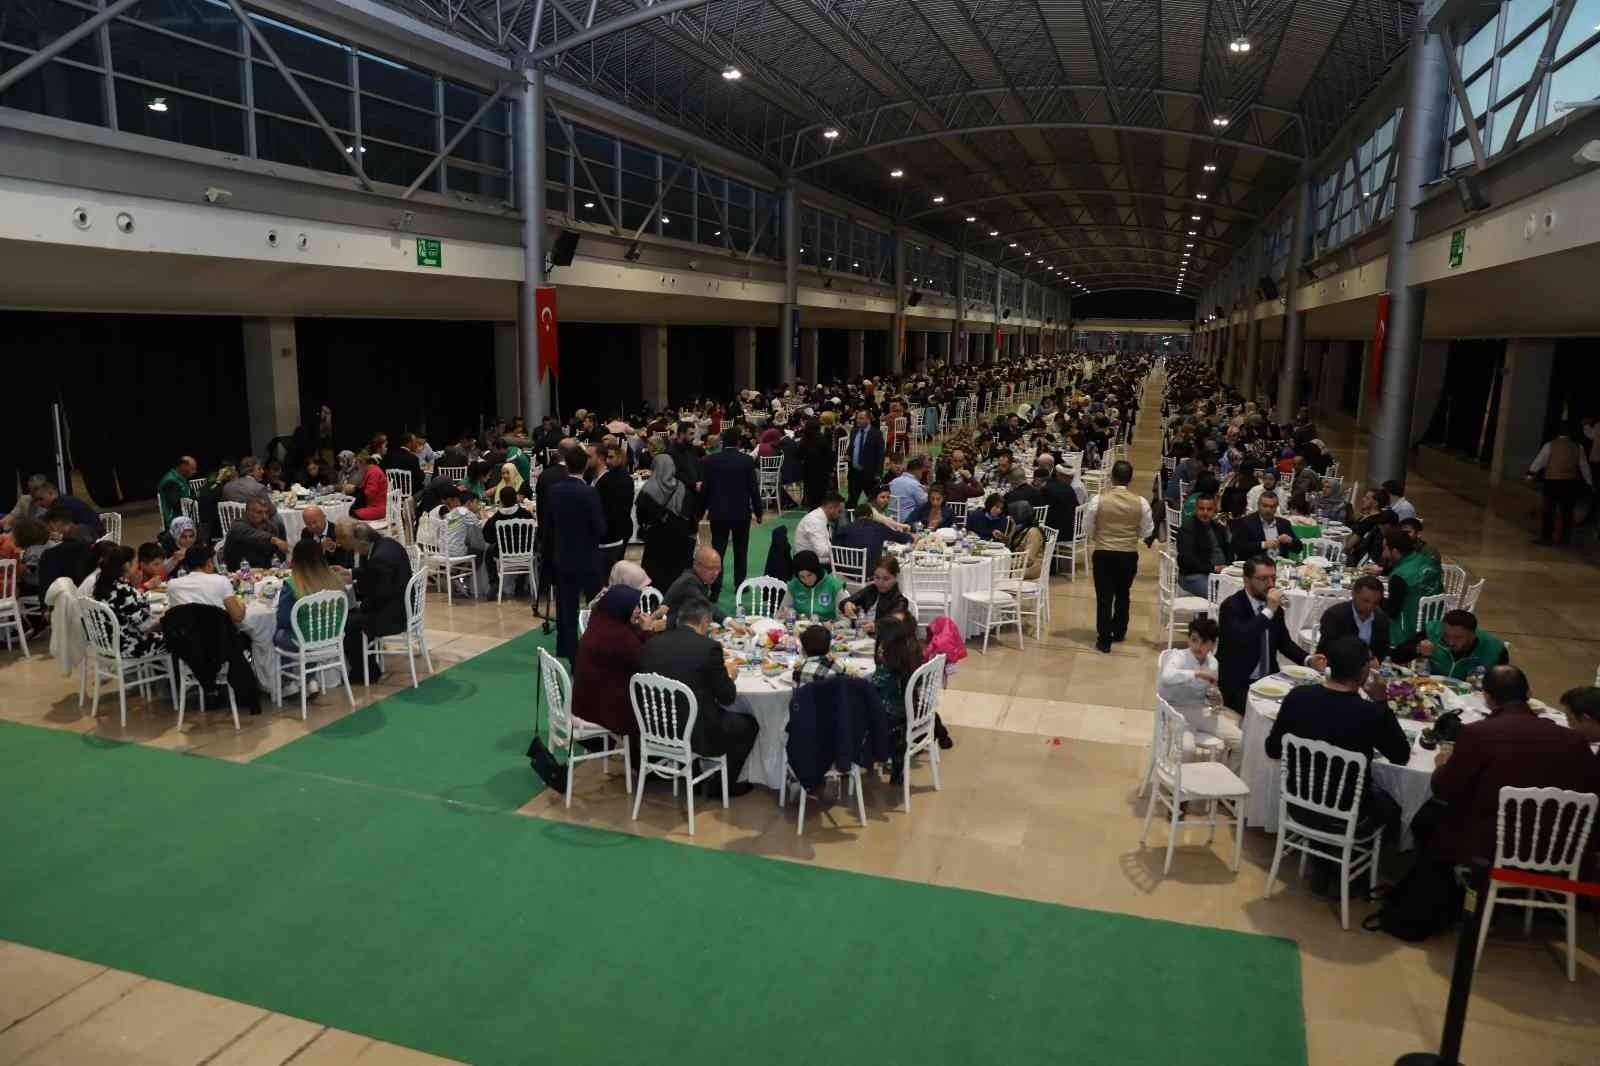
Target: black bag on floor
x=1425 y=903
x=551 y=772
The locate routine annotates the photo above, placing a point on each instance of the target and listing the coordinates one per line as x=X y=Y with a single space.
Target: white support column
x=1524 y=391
x=858 y=353
x=808 y=355
x=653 y=365
x=507 y=394
x=530 y=198
x=744 y=357
x=271 y=379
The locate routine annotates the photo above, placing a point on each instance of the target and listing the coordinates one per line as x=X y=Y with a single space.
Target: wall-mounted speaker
x=1268 y=288
x=915 y=298
x=564 y=249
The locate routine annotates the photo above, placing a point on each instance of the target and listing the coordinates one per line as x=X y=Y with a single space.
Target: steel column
x=530 y=197
x=788 y=340
x=897 y=354
x=1294 y=322
x=1419 y=146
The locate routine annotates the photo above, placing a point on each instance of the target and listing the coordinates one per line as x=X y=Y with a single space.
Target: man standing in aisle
x=1564 y=469
x=578 y=527
x=732 y=494
x=865 y=453
x=1117 y=520
x=615 y=487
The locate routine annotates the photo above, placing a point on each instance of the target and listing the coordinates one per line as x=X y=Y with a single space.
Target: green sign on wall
x=1458 y=247
x=430 y=252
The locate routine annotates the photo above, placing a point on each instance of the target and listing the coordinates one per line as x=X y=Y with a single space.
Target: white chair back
x=102 y=633
x=923 y=692
x=1326 y=548
x=771 y=467
x=851 y=565
x=399 y=480
x=398 y=513
x=229 y=512
x=318 y=620
x=1469 y=598
x=557 y=699
x=197 y=484
x=451 y=473
x=1041 y=514
x=1319 y=778
x=665 y=710
x=1168 y=751
x=417 y=601
x=583 y=620
x=191 y=510
x=515 y=539
x=649 y=599
x=760 y=597
x=958 y=512
x=1431 y=609
x=8 y=581
x=1454 y=579
x=1543 y=830
x=111 y=522
x=1174 y=519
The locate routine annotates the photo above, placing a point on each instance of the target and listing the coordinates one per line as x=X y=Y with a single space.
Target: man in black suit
x=1264 y=531
x=405 y=458
x=553 y=474
x=686 y=654
x=380 y=588
x=732 y=494
x=1204 y=548
x=615 y=487
x=577 y=526
x=684 y=455
x=1253 y=634
x=1360 y=617
x=864 y=453
x=1055 y=492
x=869 y=533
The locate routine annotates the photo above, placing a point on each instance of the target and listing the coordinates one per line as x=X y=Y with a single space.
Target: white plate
x=1301 y=673
x=1273 y=690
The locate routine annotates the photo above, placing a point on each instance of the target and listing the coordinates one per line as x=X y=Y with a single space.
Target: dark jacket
x=205 y=639
x=871 y=450
x=608 y=657
x=404 y=459
x=778 y=555
x=1058 y=494
x=868 y=598
x=687 y=461
x=1511 y=748
x=1239 y=646
x=832 y=724
x=684 y=655
x=380 y=585
x=731 y=490
x=615 y=488
x=1248 y=533
x=247 y=544
x=1345 y=720
x=870 y=534
x=1340 y=621
x=685 y=588
x=1194 y=546
x=577 y=525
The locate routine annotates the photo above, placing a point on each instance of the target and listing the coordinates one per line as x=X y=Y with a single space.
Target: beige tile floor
x=1038 y=802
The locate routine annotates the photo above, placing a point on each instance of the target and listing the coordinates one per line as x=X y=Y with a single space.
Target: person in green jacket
x=173 y=488
x=1412 y=576
x=814 y=593
x=1455 y=647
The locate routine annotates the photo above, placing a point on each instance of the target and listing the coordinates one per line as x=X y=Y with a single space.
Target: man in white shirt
x=1268 y=483
x=1402 y=507
x=202 y=584
x=907 y=489
x=815 y=531
x=1114 y=523
x=1188 y=681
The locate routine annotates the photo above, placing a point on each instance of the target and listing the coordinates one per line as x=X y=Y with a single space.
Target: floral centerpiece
x=1406 y=701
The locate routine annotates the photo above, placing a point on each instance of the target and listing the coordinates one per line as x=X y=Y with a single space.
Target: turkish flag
x=1380 y=340
x=544 y=308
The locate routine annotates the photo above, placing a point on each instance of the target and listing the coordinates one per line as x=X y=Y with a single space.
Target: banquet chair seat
x=666 y=710
x=409 y=642
x=923 y=692
x=103 y=658
x=791 y=781
x=1326 y=783
x=187 y=681
x=569 y=733
x=1174 y=783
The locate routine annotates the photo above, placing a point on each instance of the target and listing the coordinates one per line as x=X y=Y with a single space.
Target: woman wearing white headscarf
x=175 y=541
x=668 y=517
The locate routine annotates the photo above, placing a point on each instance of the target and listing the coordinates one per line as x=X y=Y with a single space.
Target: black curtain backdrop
x=600 y=368
x=833 y=354
x=875 y=352
x=139 y=391
x=397 y=375
x=1470 y=375
x=1574 y=383
x=769 y=358
x=699 y=363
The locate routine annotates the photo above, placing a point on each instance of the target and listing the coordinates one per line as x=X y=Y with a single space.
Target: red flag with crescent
x=544 y=307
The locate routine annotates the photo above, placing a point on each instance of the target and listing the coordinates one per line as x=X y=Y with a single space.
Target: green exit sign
x=1458 y=248
x=430 y=252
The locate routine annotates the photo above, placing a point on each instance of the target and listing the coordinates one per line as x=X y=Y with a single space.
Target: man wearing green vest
x=1412 y=576
x=173 y=488
x=1455 y=647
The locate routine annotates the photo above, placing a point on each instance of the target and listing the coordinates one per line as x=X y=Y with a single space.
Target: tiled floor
x=1039 y=801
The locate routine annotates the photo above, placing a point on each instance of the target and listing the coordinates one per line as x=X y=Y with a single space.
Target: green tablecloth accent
x=1305 y=533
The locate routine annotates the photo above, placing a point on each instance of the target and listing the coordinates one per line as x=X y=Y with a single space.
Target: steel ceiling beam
x=1181 y=235
x=648 y=11
x=1078 y=190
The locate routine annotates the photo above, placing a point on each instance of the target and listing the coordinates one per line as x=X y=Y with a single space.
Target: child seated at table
x=150 y=570
x=815 y=664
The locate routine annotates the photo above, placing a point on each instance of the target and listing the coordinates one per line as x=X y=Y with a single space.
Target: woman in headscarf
x=510 y=478
x=627 y=573
x=769 y=442
x=349 y=474
x=667 y=515
x=176 y=540
x=1026 y=537
x=608 y=657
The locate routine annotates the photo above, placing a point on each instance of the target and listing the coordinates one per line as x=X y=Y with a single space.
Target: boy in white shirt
x=1188 y=680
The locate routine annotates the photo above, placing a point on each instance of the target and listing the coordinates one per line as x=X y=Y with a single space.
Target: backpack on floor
x=1425 y=903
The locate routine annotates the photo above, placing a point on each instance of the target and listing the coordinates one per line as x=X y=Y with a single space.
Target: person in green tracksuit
x=173 y=489
x=1412 y=576
x=1455 y=647
x=812 y=592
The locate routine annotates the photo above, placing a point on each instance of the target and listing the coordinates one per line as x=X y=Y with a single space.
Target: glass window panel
x=396 y=81
x=1460 y=154
x=272 y=93
x=55 y=89
x=211 y=21
x=771 y=241
x=1479 y=49
x=397 y=166
x=461 y=104
x=633 y=215
x=1477 y=96
x=1385 y=135
x=392 y=123
x=1365 y=154
x=1520 y=15
x=34 y=25
x=1583 y=24
x=1516 y=66
x=554 y=199
x=297 y=144
x=1500 y=127
x=711 y=228
x=555 y=136
x=679 y=205
x=557 y=167
x=187 y=119
x=808 y=237
x=140 y=53
x=303 y=50
x=671 y=225
x=638 y=161
x=595 y=147
x=481 y=146
x=1577 y=79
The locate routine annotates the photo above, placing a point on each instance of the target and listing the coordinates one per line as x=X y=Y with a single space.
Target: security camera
x=215 y=195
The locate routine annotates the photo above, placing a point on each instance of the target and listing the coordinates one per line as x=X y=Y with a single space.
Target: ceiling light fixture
x=939 y=199
x=994 y=233
x=1192 y=232
x=1209 y=168
x=159 y=104
x=1199 y=196
x=348 y=150
x=897 y=173
x=830 y=134
x=665 y=220
x=589 y=204
x=972 y=218
x=1240 y=45
x=731 y=73
x=1220 y=121
x=1013 y=244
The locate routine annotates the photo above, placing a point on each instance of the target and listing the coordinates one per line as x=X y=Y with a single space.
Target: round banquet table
x=964 y=577
x=1410 y=785
x=259 y=624
x=766 y=699
x=1297 y=601
x=294 y=520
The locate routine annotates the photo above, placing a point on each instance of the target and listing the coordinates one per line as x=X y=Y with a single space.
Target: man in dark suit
x=1055 y=492
x=405 y=458
x=869 y=533
x=1513 y=748
x=685 y=456
x=1253 y=634
x=615 y=487
x=380 y=588
x=553 y=474
x=864 y=453
x=1204 y=548
x=1260 y=532
x=732 y=494
x=1360 y=617
x=684 y=653
x=577 y=526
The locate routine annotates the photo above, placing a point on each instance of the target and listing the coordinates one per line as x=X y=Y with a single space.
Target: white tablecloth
x=294 y=521
x=965 y=577
x=1297 y=610
x=767 y=701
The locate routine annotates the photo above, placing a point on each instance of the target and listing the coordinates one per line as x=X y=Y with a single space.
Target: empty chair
x=1469 y=598
x=760 y=597
x=1174 y=520
x=926 y=586
x=665 y=710
x=999 y=604
x=1171 y=601
x=11 y=606
x=102 y=636
x=228 y=513
x=317 y=622
x=567 y=732
x=1326 y=548
x=1542 y=831
x=1319 y=814
x=187 y=681
x=1175 y=782
x=412 y=641
x=771 y=467
x=923 y=692
x=850 y=564
x=111 y=522
x=451 y=473
x=1075 y=549
x=516 y=539
x=1454 y=580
